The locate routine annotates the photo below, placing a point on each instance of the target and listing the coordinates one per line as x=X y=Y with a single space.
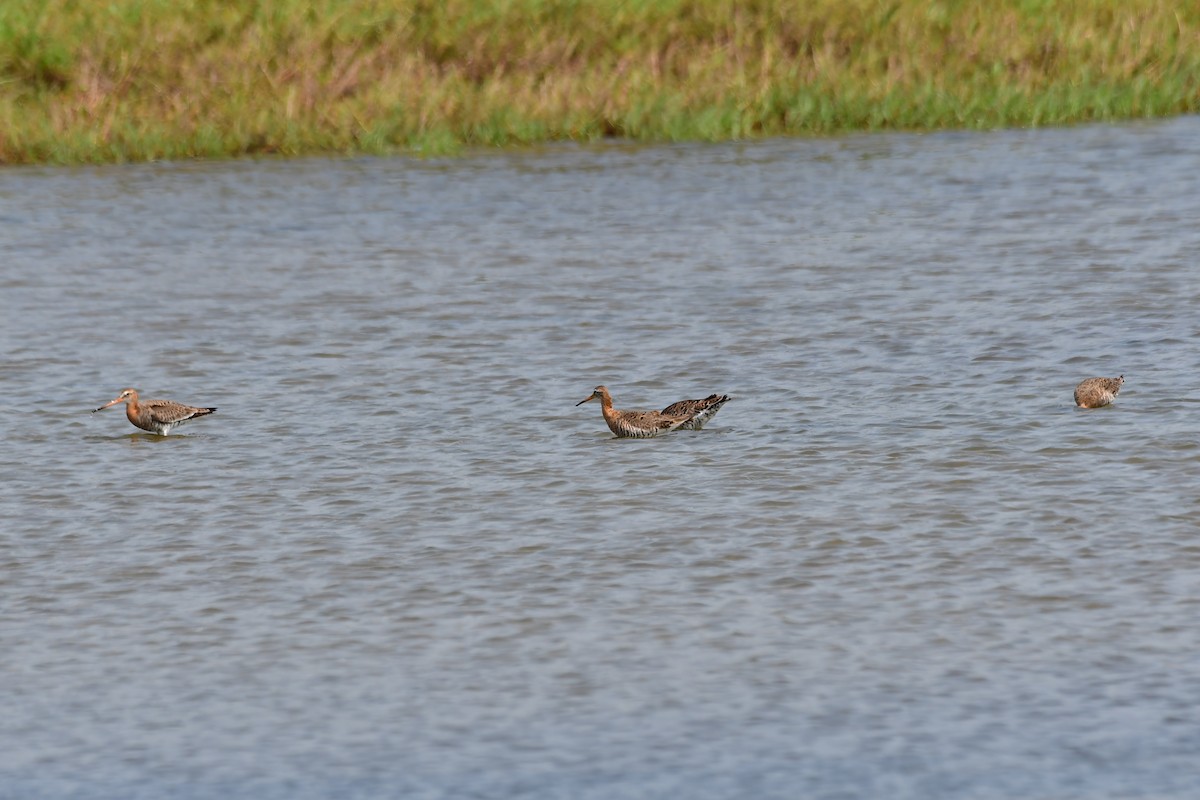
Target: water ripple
x=400 y=561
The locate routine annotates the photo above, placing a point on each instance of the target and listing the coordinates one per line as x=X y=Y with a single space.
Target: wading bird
x=645 y=424
x=156 y=416
x=1096 y=392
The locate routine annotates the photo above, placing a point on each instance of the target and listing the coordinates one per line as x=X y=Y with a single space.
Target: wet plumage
x=698 y=411
x=684 y=415
x=634 y=424
x=156 y=416
x=1097 y=392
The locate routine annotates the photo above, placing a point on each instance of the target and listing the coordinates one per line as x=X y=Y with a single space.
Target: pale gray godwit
x=1097 y=392
x=156 y=416
x=698 y=412
x=636 y=424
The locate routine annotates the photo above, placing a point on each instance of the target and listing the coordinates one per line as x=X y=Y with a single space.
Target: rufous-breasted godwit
x=698 y=412
x=645 y=424
x=1097 y=392
x=156 y=416
x=633 y=424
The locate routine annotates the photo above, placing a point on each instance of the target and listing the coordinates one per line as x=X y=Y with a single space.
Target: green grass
x=126 y=80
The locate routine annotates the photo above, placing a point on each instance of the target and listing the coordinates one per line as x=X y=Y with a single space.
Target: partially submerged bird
x=156 y=416
x=686 y=414
x=698 y=411
x=634 y=424
x=1097 y=392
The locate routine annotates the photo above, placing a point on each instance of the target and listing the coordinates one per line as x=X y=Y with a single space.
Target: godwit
x=156 y=416
x=633 y=424
x=1096 y=392
x=698 y=412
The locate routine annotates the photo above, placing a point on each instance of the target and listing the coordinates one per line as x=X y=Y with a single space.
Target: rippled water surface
x=400 y=562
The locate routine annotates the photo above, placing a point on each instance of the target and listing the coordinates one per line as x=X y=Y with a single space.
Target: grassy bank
x=84 y=81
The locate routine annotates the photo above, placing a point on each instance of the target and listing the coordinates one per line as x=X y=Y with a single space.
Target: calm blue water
x=400 y=562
